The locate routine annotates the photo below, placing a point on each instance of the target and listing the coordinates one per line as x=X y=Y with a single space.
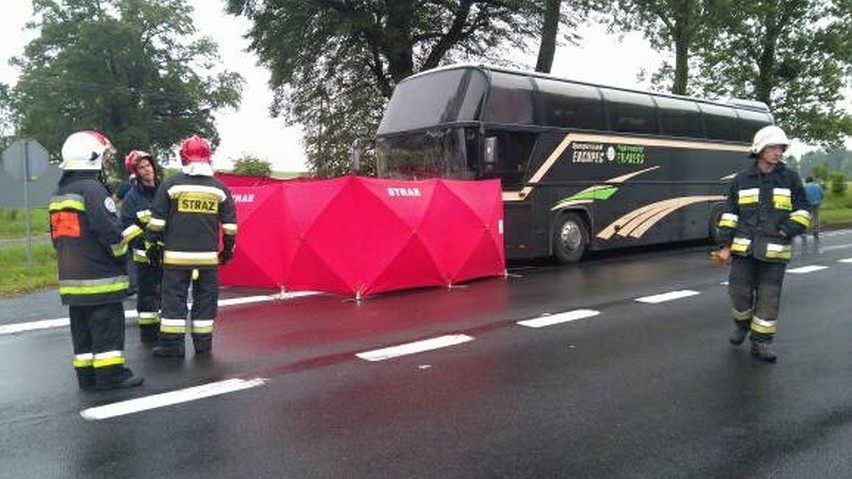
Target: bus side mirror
x=490 y=154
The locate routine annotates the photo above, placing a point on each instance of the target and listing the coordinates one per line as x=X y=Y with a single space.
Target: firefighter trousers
x=97 y=334
x=205 y=296
x=755 y=290
x=148 y=301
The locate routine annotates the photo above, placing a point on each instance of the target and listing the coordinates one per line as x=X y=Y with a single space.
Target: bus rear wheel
x=570 y=238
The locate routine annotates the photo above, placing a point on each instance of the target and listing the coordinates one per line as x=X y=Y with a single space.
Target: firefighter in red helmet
x=135 y=214
x=186 y=215
x=91 y=253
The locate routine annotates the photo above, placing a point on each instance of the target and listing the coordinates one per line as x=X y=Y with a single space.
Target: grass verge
x=14 y=277
x=13 y=223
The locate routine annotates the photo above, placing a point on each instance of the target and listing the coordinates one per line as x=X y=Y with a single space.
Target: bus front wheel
x=570 y=238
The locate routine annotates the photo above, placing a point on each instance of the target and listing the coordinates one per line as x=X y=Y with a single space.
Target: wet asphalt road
x=638 y=390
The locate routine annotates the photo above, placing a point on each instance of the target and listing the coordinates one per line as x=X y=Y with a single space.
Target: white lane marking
x=558 y=318
x=672 y=295
x=847 y=260
x=34 y=325
x=724 y=283
x=167 y=399
x=806 y=269
x=415 y=347
x=132 y=313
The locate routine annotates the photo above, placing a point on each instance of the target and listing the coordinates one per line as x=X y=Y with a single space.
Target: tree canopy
x=133 y=69
x=793 y=55
x=335 y=63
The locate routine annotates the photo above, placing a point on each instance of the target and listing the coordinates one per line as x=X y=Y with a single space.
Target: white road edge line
x=415 y=347
x=132 y=313
x=806 y=269
x=670 y=296
x=167 y=399
x=551 y=319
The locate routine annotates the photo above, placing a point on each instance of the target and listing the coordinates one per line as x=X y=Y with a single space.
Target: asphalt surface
x=631 y=389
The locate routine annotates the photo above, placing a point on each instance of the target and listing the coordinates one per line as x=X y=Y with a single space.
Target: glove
x=154 y=252
x=229 y=243
x=225 y=256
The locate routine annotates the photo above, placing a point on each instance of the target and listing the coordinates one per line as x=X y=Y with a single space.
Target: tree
x=675 y=26
x=335 y=63
x=252 y=166
x=128 y=68
x=793 y=55
x=549 y=30
x=6 y=122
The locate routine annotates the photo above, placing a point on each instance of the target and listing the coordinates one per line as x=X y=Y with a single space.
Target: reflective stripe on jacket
x=188 y=211
x=90 y=248
x=761 y=206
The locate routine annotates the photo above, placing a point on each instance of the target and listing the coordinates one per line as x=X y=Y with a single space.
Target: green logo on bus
x=630 y=154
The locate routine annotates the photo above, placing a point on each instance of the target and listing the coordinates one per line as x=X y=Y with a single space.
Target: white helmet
x=86 y=150
x=769 y=136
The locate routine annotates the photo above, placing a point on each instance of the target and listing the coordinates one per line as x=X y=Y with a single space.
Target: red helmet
x=194 y=149
x=133 y=157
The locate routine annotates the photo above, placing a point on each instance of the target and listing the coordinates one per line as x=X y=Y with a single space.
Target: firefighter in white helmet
x=187 y=212
x=91 y=253
x=765 y=210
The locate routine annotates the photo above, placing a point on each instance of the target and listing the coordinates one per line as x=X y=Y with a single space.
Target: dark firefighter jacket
x=135 y=213
x=90 y=249
x=188 y=210
x=759 y=207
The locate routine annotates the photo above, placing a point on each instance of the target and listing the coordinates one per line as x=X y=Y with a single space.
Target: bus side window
x=631 y=112
x=680 y=117
x=721 y=122
x=510 y=99
x=569 y=105
x=751 y=121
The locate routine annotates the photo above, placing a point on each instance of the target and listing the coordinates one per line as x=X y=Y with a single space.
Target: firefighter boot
x=202 y=343
x=116 y=377
x=86 y=378
x=764 y=351
x=739 y=335
x=169 y=346
x=148 y=333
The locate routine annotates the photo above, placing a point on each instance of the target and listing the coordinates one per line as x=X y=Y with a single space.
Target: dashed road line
x=132 y=313
x=807 y=269
x=847 y=260
x=551 y=319
x=132 y=406
x=670 y=296
x=415 y=347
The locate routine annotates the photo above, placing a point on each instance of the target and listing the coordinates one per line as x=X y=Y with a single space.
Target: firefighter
x=91 y=255
x=187 y=211
x=765 y=210
x=135 y=213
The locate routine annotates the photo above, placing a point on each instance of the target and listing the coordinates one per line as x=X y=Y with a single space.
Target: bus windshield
x=436 y=153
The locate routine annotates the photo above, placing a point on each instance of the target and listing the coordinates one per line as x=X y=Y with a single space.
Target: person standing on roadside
x=91 y=254
x=135 y=214
x=187 y=212
x=766 y=208
x=815 y=195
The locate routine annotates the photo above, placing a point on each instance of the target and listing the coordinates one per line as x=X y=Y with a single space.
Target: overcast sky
x=601 y=58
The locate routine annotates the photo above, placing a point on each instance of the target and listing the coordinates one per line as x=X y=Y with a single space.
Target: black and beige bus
x=582 y=166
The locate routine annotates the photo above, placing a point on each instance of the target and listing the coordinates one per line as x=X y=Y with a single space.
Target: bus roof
x=738 y=103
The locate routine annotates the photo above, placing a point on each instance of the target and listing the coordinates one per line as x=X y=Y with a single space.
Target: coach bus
x=582 y=166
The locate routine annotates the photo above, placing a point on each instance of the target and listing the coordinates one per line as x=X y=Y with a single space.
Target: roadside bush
x=837 y=180
x=250 y=166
